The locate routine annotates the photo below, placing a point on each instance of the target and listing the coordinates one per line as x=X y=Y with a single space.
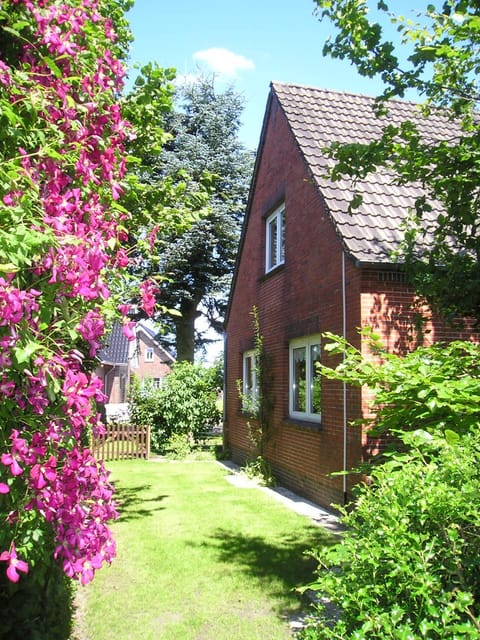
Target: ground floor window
x=305 y=386
x=249 y=382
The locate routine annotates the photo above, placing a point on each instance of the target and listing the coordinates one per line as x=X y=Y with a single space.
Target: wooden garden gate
x=122 y=442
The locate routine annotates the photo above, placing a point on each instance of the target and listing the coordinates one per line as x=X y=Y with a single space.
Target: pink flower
x=128 y=330
x=14 y=564
x=121 y=259
x=86 y=568
x=124 y=308
x=152 y=237
x=4 y=488
x=10 y=461
x=148 y=289
x=91 y=329
x=43 y=474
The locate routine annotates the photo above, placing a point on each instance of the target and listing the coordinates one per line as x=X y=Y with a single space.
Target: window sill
x=273 y=271
x=306 y=425
x=247 y=414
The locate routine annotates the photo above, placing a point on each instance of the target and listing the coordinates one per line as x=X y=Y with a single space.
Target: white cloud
x=223 y=61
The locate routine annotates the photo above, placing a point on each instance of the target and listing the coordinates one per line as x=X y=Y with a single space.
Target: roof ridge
x=339 y=92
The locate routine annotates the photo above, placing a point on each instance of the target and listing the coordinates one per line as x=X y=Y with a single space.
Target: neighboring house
x=309 y=265
x=121 y=358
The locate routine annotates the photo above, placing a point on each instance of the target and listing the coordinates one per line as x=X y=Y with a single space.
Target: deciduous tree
x=437 y=56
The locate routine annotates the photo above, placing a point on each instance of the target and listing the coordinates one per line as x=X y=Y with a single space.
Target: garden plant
x=63 y=173
x=408 y=564
x=182 y=411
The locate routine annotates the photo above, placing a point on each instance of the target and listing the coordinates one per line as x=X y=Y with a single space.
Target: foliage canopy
x=436 y=57
x=199 y=262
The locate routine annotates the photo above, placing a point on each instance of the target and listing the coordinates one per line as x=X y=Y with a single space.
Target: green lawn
x=198 y=558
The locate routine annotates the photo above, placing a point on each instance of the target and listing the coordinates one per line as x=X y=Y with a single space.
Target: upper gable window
x=275 y=239
x=149 y=354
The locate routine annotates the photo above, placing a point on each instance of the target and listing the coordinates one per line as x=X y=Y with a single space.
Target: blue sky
x=247 y=43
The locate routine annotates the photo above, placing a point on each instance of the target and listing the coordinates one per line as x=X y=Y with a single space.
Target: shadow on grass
x=132 y=503
x=285 y=560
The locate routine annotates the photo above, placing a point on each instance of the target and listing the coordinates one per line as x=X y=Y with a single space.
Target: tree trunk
x=185 y=332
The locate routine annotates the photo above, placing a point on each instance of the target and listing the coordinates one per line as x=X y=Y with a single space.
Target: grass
x=198 y=558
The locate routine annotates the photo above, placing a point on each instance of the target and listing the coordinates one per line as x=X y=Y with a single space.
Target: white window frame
x=275 y=251
x=249 y=381
x=149 y=354
x=306 y=342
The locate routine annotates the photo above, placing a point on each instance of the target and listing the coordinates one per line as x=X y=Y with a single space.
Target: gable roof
x=318 y=117
x=116 y=350
x=153 y=334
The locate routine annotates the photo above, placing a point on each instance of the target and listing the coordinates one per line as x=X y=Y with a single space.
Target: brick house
x=120 y=358
x=309 y=265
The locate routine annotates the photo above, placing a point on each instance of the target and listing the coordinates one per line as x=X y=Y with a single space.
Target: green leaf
x=8 y=268
x=23 y=354
x=52 y=66
x=452 y=437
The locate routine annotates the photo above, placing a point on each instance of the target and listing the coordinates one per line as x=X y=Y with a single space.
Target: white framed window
x=305 y=380
x=275 y=239
x=249 y=382
x=149 y=354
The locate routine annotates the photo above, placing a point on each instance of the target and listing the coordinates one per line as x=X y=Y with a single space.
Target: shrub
x=408 y=566
x=145 y=407
x=185 y=405
x=189 y=400
x=62 y=163
x=40 y=605
x=179 y=446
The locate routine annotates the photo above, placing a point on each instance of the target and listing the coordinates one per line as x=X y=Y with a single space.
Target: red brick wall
x=300 y=298
x=393 y=311
x=157 y=368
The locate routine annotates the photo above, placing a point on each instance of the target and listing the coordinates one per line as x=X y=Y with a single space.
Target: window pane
x=282 y=237
x=248 y=375
x=315 y=380
x=299 y=379
x=272 y=243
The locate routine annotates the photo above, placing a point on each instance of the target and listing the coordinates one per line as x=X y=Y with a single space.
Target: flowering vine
x=62 y=153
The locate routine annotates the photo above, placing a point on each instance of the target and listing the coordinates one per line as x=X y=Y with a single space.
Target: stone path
x=304 y=507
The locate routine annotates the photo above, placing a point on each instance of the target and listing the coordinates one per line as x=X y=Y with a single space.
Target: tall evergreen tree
x=199 y=262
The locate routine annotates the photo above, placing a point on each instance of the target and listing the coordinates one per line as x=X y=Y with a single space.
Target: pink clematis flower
x=148 y=289
x=43 y=474
x=4 y=488
x=14 y=564
x=128 y=330
x=10 y=461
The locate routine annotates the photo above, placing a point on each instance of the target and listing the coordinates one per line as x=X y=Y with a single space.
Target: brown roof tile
x=317 y=118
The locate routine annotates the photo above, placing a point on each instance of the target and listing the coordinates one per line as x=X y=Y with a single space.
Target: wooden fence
x=122 y=442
